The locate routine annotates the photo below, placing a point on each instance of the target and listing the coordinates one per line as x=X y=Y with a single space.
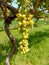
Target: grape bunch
x=25 y=22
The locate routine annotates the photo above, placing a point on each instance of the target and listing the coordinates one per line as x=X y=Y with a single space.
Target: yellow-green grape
x=31 y=23
x=30 y=17
x=24 y=46
x=24 y=23
x=23 y=28
x=24 y=51
x=20 y=42
x=27 y=30
x=24 y=16
x=25 y=36
x=21 y=52
x=27 y=23
x=25 y=42
x=19 y=23
x=19 y=15
x=21 y=47
x=23 y=33
x=25 y=10
x=27 y=50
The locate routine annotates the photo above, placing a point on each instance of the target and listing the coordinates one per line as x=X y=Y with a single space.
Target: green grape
x=24 y=23
x=20 y=24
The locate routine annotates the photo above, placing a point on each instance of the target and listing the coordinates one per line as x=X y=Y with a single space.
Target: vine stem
x=13 y=43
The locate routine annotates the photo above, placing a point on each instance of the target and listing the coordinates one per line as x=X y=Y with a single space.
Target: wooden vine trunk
x=13 y=43
x=7 y=21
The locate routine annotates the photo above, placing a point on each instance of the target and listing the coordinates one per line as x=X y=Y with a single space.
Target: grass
x=38 y=44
